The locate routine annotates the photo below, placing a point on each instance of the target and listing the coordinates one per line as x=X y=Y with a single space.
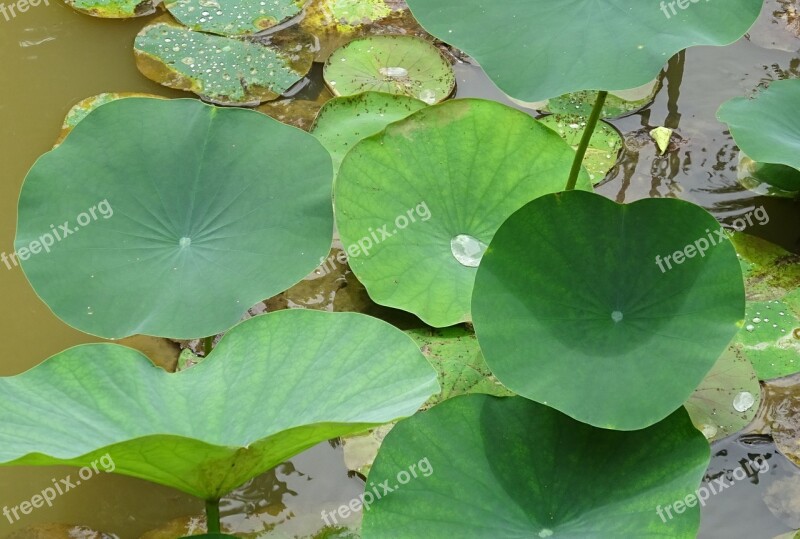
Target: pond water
x=54 y=57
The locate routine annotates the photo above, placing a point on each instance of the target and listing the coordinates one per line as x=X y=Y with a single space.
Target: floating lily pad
x=537 y=49
x=770 y=335
x=620 y=103
x=493 y=473
x=400 y=65
x=456 y=356
x=416 y=203
x=196 y=218
x=770 y=338
x=79 y=111
x=765 y=179
x=344 y=121
x=767 y=128
x=239 y=413
x=604 y=146
x=219 y=69
x=582 y=318
x=343 y=16
x=115 y=9
x=728 y=397
x=233 y=17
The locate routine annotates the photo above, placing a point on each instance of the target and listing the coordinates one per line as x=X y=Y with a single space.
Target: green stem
x=587 y=136
x=212 y=515
x=208 y=345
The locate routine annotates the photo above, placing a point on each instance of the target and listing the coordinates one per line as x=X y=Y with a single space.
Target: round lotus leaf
x=478 y=466
x=589 y=306
x=728 y=397
x=767 y=126
x=537 y=49
x=275 y=385
x=233 y=17
x=177 y=217
x=604 y=147
x=344 y=121
x=417 y=203
x=400 y=65
x=220 y=69
x=114 y=9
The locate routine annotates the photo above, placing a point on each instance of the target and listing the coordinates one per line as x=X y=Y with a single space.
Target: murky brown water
x=53 y=57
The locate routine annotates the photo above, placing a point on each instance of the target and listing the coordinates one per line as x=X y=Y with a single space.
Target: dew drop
x=756 y=320
x=616 y=316
x=743 y=401
x=546 y=532
x=185 y=242
x=393 y=72
x=750 y=327
x=467 y=250
x=428 y=96
x=709 y=431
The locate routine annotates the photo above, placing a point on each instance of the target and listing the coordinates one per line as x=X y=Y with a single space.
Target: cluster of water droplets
x=223 y=68
x=235 y=18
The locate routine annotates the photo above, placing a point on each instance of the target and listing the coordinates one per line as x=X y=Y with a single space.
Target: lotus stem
x=212 y=516
x=587 y=136
x=208 y=345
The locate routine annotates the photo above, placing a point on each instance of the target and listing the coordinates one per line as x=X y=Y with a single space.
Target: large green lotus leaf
x=114 y=9
x=728 y=397
x=457 y=358
x=458 y=169
x=604 y=147
x=577 y=306
x=767 y=127
x=538 y=49
x=198 y=213
x=219 y=69
x=233 y=17
x=275 y=385
x=344 y=121
x=509 y=467
x=400 y=65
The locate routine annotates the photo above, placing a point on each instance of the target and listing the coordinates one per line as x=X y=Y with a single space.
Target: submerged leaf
x=449 y=175
x=219 y=69
x=401 y=65
x=184 y=220
x=604 y=146
x=583 y=318
x=478 y=466
x=618 y=103
x=261 y=397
